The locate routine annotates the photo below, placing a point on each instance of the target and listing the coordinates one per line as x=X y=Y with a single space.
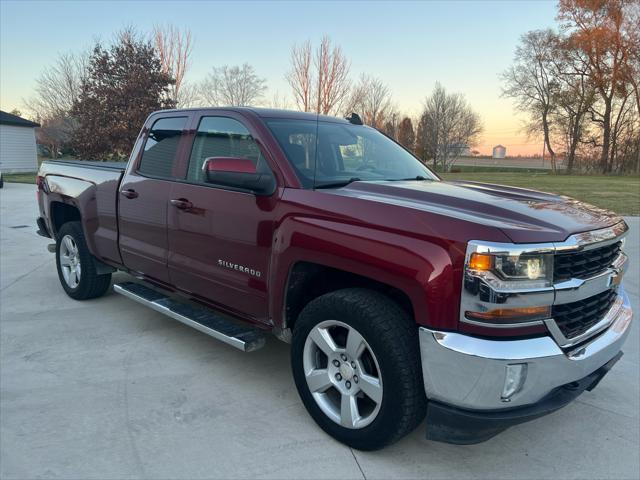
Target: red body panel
x=93 y=192
x=235 y=250
x=234 y=228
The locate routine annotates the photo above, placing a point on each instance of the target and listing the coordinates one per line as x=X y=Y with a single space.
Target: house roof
x=9 y=119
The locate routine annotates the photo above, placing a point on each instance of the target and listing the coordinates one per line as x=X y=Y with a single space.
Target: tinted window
x=160 y=150
x=334 y=152
x=222 y=137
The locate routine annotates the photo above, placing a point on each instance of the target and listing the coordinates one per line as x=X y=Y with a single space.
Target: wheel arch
x=61 y=213
x=307 y=281
x=317 y=255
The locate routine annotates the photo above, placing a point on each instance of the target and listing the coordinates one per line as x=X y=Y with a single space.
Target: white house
x=17 y=144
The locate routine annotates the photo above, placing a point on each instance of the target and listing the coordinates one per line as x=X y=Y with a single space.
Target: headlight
x=506 y=271
x=521 y=267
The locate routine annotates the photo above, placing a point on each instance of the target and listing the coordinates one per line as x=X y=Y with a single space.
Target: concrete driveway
x=109 y=389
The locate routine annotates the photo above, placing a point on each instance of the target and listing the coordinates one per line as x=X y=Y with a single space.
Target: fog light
x=513 y=380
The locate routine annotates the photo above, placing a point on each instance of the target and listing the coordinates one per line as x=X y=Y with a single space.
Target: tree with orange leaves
x=606 y=32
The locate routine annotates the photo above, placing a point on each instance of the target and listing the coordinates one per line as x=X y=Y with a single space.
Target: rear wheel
x=356 y=364
x=76 y=269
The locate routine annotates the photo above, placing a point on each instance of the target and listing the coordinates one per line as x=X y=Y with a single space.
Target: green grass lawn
x=19 y=177
x=620 y=194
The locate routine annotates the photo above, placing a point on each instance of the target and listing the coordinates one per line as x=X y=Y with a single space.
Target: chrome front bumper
x=469 y=372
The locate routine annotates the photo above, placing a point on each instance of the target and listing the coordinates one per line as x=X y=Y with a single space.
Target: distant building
x=17 y=144
x=499 y=151
x=460 y=150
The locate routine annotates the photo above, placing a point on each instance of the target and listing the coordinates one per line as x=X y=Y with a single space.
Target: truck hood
x=525 y=216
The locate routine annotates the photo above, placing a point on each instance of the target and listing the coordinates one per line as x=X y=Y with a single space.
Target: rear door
x=220 y=245
x=144 y=196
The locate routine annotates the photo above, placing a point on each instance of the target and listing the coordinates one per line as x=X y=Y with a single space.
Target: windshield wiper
x=343 y=183
x=417 y=177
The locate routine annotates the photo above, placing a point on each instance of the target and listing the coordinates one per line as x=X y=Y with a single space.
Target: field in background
x=457 y=168
x=507 y=162
x=620 y=194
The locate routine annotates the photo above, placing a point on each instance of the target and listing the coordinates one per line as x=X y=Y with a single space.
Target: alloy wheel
x=343 y=374
x=69 y=258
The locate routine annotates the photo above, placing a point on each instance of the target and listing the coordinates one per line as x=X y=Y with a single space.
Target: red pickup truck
x=403 y=296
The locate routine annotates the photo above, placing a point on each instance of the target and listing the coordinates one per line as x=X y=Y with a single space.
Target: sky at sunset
x=409 y=45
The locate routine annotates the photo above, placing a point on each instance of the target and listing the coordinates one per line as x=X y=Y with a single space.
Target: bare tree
x=448 y=125
x=530 y=82
x=371 y=99
x=332 y=81
x=319 y=79
x=279 y=101
x=632 y=29
x=299 y=77
x=573 y=98
x=624 y=125
x=58 y=86
x=174 y=49
x=235 y=85
x=57 y=89
x=190 y=96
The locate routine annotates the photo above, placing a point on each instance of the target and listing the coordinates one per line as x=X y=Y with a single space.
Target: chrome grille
x=575 y=318
x=584 y=264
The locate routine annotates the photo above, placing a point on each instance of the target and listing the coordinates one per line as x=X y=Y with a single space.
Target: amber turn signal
x=480 y=261
x=511 y=315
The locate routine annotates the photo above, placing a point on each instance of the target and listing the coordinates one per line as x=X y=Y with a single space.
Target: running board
x=243 y=337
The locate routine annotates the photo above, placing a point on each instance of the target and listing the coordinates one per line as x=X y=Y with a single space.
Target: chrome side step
x=243 y=337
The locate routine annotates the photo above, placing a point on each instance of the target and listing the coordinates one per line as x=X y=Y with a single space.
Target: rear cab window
x=159 y=155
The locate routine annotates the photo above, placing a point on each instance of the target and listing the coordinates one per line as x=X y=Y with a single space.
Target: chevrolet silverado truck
x=403 y=296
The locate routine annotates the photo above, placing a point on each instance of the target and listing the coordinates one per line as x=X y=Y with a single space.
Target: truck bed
x=90 y=164
x=92 y=187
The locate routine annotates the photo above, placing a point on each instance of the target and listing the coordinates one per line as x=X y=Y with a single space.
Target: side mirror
x=238 y=173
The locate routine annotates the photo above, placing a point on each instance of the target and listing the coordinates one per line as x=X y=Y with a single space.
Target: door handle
x=129 y=193
x=181 y=203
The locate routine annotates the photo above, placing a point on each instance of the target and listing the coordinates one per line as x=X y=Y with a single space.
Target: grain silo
x=499 y=151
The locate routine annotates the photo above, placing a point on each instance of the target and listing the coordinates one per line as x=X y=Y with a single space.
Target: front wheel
x=356 y=365
x=76 y=269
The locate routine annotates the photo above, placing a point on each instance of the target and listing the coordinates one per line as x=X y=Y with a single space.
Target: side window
x=160 y=149
x=222 y=137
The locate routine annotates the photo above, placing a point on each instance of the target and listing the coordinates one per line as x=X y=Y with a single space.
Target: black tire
x=90 y=284
x=393 y=337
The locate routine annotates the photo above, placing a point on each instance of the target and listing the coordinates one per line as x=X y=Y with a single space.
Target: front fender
x=422 y=270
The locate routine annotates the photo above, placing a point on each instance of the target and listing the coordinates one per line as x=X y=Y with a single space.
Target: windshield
x=326 y=154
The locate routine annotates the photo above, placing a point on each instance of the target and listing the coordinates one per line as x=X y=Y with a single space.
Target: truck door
x=220 y=239
x=144 y=196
